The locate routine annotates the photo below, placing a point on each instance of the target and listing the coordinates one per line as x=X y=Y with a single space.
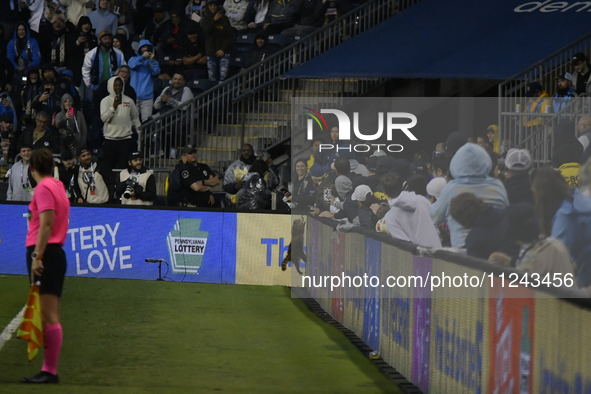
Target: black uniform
x=191 y=174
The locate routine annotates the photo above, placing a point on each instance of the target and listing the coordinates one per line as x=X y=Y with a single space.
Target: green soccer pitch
x=125 y=336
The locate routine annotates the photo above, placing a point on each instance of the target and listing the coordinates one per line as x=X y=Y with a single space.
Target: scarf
x=19 y=46
x=95 y=71
x=59 y=42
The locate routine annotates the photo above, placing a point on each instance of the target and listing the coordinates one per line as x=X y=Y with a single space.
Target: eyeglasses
x=436 y=154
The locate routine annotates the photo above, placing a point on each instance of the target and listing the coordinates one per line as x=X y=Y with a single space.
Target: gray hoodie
x=18 y=177
x=75 y=126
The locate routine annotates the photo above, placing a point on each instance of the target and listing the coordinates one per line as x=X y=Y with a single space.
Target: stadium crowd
x=473 y=193
x=80 y=76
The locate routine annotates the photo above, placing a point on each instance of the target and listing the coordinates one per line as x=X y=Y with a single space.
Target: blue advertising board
x=115 y=242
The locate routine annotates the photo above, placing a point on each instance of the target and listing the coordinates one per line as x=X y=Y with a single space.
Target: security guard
x=197 y=179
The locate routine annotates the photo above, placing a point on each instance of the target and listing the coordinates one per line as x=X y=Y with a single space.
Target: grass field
x=123 y=336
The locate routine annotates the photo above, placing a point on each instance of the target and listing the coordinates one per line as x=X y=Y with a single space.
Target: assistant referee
x=49 y=212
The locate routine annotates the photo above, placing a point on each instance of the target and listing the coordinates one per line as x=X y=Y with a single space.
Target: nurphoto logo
x=344 y=125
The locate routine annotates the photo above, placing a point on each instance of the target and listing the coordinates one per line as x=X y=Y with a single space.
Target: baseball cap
x=566 y=76
x=66 y=154
x=378 y=153
x=360 y=193
x=159 y=7
x=579 y=57
x=105 y=33
x=518 y=160
x=211 y=1
x=188 y=149
x=435 y=186
x=134 y=155
x=532 y=88
x=68 y=73
x=317 y=170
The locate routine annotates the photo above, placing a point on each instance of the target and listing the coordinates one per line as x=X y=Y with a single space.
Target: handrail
x=511 y=94
x=222 y=110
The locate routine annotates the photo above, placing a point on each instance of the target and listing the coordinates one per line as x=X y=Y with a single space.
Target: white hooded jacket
x=118 y=121
x=408 y=219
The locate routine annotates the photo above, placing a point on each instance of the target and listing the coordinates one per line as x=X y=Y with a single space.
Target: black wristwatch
x=203 y=182
x=36 y=255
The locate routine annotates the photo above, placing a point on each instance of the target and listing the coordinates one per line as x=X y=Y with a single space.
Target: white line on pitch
x=11 y=328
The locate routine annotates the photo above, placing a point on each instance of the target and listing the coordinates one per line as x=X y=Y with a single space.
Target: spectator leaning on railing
x=408 y=218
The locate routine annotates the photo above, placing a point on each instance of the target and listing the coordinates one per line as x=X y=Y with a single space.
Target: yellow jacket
x=537 y=105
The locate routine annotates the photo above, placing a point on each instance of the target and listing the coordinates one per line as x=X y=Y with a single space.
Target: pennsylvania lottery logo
x=186 y=246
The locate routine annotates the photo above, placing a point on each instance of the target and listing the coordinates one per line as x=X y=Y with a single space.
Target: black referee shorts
x=54 y=269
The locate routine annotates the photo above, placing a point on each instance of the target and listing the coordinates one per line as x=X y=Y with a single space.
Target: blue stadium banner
x=115 y=242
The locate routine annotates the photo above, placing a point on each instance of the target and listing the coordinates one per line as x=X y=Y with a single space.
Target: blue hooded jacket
x=572 y=225
x=30 y=54
x=143 y=69
x=470 y=167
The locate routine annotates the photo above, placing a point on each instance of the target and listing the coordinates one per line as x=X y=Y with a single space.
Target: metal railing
x=535 y=131
x=532 y=133
x=254 y=105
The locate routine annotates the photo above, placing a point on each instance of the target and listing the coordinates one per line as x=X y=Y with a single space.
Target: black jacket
x=519 y=189
x=50 y=140
x=489 y=234
x=173 y=197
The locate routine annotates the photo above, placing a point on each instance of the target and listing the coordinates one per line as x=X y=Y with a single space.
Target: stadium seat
x=199 y=86
x=238 y=60
x=279 y=41
x=243 y=43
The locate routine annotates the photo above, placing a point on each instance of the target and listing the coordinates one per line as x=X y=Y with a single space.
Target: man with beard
x=564 y=92
x=94 y=182
x=100 y=64
x=197 y=179
x=237 y=170
x=67 y=174
x=138 y=181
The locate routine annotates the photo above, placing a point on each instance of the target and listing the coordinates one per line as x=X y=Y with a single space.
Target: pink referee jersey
x=49 y=195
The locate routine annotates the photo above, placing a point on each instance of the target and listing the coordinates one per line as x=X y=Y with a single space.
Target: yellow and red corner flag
x=31 y=329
